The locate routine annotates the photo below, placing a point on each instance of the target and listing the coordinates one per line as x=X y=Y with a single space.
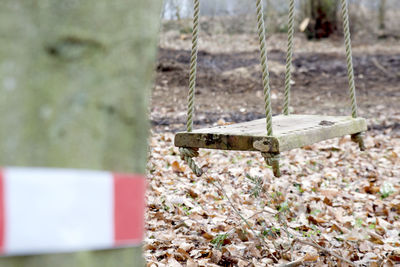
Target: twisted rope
x=187 y=154
x=193 y=66
x=264 y=65
x=289 y=58
x=349 y=57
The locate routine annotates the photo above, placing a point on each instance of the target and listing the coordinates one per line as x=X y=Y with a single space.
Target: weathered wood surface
x=290 y=132
x=75 y=77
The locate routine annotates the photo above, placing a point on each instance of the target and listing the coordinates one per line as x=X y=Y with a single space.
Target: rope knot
x=189 y=152
x=272 y=159
x=358 y=138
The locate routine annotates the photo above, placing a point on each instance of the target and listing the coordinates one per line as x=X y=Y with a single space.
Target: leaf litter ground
x=334 y=205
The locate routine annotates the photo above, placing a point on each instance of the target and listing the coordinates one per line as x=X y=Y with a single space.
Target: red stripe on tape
x=2 y=212
x=129 y=205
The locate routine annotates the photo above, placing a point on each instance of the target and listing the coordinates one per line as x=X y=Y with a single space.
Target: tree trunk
x=323 y=17
x=74 y=81
x=382 y=13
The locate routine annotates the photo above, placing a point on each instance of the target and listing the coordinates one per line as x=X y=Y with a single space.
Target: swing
x=272 y=135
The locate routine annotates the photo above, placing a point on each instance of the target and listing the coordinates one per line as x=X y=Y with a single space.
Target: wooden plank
x=317 y=133
x=289 y=132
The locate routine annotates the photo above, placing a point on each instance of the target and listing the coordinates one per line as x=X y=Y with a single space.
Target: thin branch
x=261 y=238
x=305 y=242
x=234 y=207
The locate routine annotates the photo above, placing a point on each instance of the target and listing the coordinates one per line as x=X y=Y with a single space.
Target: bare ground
x=229 y=83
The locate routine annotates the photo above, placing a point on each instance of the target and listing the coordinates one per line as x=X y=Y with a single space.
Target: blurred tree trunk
x=74 y=80
x=382 y=13
x=271 y=17
x=322 y=15
x=176 y=5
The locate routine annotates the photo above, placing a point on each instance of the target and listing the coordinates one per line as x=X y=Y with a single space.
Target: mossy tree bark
x=74 y=82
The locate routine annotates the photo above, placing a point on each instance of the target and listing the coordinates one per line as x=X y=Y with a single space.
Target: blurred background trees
x=320 y=17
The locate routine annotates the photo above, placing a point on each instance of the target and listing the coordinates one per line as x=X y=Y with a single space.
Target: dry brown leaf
x=183 y=253
x=395 y=256
x=371 y=189
x=221 y=122
x=207 y=236
x=327 y=201
x=330 y=193
x=176 y=167
x=310 y=257
x=216 y=256
x=316 y=220
x=192 y=193
x=186 y=246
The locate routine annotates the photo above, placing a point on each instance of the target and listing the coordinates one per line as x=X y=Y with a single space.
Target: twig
x=261 y=238
x=315 y=245
x=233 y=206
x=383 y=69
x=260 y=212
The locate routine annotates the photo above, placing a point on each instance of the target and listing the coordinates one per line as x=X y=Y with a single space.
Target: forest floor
x=333 y=204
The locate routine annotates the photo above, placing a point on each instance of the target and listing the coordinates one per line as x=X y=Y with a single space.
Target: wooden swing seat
x=293 y=131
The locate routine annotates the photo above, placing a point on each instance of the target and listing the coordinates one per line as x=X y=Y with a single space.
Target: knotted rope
x=187 y=154
x=289 y=58
x=357 y=138
x=271 y=159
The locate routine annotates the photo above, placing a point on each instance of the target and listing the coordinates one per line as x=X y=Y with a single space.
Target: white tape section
x=61 y=210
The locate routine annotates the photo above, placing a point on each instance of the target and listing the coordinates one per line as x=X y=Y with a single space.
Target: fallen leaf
x=310 y=257
x=176 y=167
x=216 y=256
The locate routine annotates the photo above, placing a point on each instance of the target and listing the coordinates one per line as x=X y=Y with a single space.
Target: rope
x=349 y=58
x=264 y=65
x=289 y=58
x=273 y=161
x=187 y=154
x=358 y=138
x=193 y=66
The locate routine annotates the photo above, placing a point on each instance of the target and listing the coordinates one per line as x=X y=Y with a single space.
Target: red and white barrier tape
x=62 y=210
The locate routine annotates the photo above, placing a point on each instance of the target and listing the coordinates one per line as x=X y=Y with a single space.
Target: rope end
x=273 y=161
x=358 y=138
x=187 y=154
